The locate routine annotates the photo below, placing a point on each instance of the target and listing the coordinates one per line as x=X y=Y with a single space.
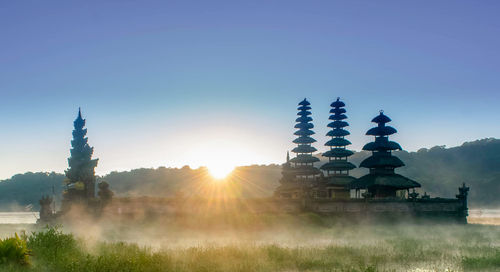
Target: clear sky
x=170 y=83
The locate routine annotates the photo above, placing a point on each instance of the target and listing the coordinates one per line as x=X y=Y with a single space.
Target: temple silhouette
x=337 y=168
x=331 y=190
x=382 y=181
x=80 y=182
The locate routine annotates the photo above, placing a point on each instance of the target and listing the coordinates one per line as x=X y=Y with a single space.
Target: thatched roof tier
x=381 y=131
x=304 y=132
x=338 y=110
x=381 y=119
x=304 y=140
x=380 y=145
x=337 y=117
x=338 y=132
x=304 y=149
x=337 y=165
x=337 y=103
x=338 y=124
x=304 y=113
x=304 y=125
x=338 y=142
x=338 y=152
x=304 y=103
x=303 y=108
x=387 y=180
x=339 y=180
x=381 y=161
x=304 y=158
x=303 y=119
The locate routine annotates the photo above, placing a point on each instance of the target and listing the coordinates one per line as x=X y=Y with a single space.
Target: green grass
x=306 y=246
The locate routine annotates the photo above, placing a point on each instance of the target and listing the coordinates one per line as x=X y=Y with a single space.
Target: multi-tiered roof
x=303 y=163
x=382 y=180
x=337 y=167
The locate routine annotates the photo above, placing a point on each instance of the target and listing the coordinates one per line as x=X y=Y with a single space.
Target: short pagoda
x=382 y=181
x=289 y=188
x=337 y=168
x=80 y=176
x=299 y=172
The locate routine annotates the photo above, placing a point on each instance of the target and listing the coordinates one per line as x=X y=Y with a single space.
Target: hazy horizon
x=178 y=83
x=102 y=174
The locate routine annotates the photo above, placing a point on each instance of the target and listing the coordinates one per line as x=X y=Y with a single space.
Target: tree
x=80 y=182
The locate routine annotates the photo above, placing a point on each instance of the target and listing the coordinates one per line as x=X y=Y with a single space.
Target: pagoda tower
x=299 y=173
x=303 y=163
x=337 y=168
x=382 y=181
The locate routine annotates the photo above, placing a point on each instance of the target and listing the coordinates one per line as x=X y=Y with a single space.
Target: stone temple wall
x=384 y=206
x=434 y=208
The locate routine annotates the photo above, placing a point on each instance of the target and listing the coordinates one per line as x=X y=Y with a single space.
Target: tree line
x=440 y=170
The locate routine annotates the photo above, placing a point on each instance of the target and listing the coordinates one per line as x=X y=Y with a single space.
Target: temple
x=337 y=168
x=381 y=193
x=328 y=191
x=382 y=181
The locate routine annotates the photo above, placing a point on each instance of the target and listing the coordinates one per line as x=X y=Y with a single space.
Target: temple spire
x=303 y=162
x=337 y=155
x=337 y=179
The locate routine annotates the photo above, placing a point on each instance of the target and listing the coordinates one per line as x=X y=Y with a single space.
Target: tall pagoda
x=382 y=181
x=337 y=168
x=299 y=172
x=80 y=176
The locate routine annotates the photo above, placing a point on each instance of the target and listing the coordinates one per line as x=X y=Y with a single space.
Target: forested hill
x=440 y=170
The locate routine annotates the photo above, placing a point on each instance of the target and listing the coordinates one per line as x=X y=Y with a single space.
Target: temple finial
x=79 y=112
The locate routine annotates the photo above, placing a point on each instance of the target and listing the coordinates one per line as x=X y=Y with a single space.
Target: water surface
x=18 y=217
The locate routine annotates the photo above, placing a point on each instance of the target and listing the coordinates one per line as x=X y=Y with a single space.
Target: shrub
x=14 y=250
x=55 y=249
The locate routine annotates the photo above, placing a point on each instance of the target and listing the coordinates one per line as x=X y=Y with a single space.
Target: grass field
x=304 y=243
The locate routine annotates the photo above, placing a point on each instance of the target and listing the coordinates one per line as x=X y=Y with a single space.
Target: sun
x=220 y=171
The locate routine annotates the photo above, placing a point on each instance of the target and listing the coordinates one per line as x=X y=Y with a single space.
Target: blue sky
x=182 y=82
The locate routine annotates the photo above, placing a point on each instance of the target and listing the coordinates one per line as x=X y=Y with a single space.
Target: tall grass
x=320 y=247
